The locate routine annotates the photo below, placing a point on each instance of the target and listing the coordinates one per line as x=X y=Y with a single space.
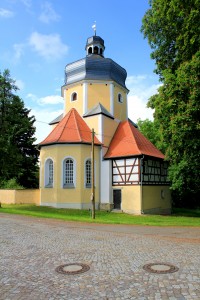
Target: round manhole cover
x=72 y=269
x=160 y=268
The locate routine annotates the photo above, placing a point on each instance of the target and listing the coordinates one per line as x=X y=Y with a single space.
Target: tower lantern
x=95 y=45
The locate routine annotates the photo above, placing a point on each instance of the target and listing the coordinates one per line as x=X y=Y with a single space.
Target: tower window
x=120 y=98
x=101 y=51
x=96 y=50
x=90 y=50
x=74 y=96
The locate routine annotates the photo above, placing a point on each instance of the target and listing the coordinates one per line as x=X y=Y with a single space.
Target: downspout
x=141 y=183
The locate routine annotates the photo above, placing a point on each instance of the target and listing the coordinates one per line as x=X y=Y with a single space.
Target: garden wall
x=29 y=196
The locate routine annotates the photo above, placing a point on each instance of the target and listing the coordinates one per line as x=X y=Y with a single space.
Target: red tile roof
x=71 y=129
x=129 y=141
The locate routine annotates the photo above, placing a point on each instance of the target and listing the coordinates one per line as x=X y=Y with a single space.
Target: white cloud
x=32 y=97
x=43 y=118
x=131 y=80
x=19 y=83
x=54 y=99
x=27 y=3
x=18 y=51
x=137 y=109
x=141 y=87
x=48 y=46
x=5 y=13
x=48 y=14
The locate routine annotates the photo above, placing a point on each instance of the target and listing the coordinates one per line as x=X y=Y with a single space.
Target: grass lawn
x=180 y=217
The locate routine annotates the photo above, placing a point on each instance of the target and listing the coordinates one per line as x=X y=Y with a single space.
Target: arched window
x=69 y=173
x=74 y=96
x=88 y=173
x=120 y=98
x=90 y=50
x=101 y=51
x=96 y=50
x=49 y=173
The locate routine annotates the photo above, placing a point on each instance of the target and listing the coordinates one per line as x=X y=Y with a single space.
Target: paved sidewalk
x=32 y=248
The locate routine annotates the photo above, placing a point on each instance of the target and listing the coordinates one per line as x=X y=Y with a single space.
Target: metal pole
x=93 y=189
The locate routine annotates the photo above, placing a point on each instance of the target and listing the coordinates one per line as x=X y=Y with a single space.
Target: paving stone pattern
x=31 y=249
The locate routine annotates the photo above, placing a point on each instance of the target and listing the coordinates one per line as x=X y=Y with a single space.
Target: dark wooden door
x=117 y=198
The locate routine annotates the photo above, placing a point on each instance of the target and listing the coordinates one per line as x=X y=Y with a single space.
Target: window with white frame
x=88 y=173
x=120 y=98
x=49 y=173
x=74 y=96
x=69 y=173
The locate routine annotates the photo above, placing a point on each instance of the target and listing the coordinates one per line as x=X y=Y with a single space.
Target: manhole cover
x=160 y=268
x=72 y=269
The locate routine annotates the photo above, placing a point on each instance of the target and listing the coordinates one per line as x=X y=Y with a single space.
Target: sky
x=38 y=38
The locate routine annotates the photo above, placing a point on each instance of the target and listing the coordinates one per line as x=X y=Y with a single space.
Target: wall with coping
x=29 y=196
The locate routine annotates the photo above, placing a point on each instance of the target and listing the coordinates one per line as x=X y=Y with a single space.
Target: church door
x=117 y=198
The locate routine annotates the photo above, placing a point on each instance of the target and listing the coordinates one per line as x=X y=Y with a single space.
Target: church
x=130 y=173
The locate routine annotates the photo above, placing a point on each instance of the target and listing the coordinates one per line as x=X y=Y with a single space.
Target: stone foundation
x=106 y=206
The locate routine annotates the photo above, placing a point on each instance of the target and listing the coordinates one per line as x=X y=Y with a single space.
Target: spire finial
x=94 y=27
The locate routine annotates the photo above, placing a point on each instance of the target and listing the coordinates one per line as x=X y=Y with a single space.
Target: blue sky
x=38 y=38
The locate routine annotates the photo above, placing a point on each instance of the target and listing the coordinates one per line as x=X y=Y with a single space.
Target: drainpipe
x=141 y=186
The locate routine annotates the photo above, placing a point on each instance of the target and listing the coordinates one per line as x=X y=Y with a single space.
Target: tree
x=173 y=32
x=149 y=129
x=174 y=36
x=19 y=155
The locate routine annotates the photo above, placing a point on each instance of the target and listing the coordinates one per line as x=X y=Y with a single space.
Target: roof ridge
x=130 y=127
x=63 y=127
x=76 y=122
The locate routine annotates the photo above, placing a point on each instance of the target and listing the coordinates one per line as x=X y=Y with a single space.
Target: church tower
x=95 y=79
x=130 y=173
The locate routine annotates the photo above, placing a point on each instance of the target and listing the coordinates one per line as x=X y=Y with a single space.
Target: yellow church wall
x=93 y=123
x=78 y=197
x=98 y=93
x=104 y=134
x=77 y=104
x=156 y=199
x=120 y=109
x=131 y=202
x=109 y=128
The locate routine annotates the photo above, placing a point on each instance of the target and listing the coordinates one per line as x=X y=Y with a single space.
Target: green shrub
x=11 y=184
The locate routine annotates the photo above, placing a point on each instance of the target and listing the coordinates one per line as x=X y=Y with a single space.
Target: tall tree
x=19 y=155
x=150 y=131
x=174 y=35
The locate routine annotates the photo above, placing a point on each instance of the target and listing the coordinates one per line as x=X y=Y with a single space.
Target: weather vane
x=94 y=27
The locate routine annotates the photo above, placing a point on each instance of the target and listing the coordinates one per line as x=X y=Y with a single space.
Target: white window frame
x=87 y=185
x=71 y=97
x=121 y=98
x=48 y=179
x=72 y=184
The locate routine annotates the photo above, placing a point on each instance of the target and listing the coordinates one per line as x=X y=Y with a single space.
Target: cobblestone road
x=32 y=248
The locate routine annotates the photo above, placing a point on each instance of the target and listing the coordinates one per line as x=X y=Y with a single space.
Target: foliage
x=11 y=184
x=174 y=36
x=149 y=129
x=184 y=218
x=172 y=29
x=19 y=155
